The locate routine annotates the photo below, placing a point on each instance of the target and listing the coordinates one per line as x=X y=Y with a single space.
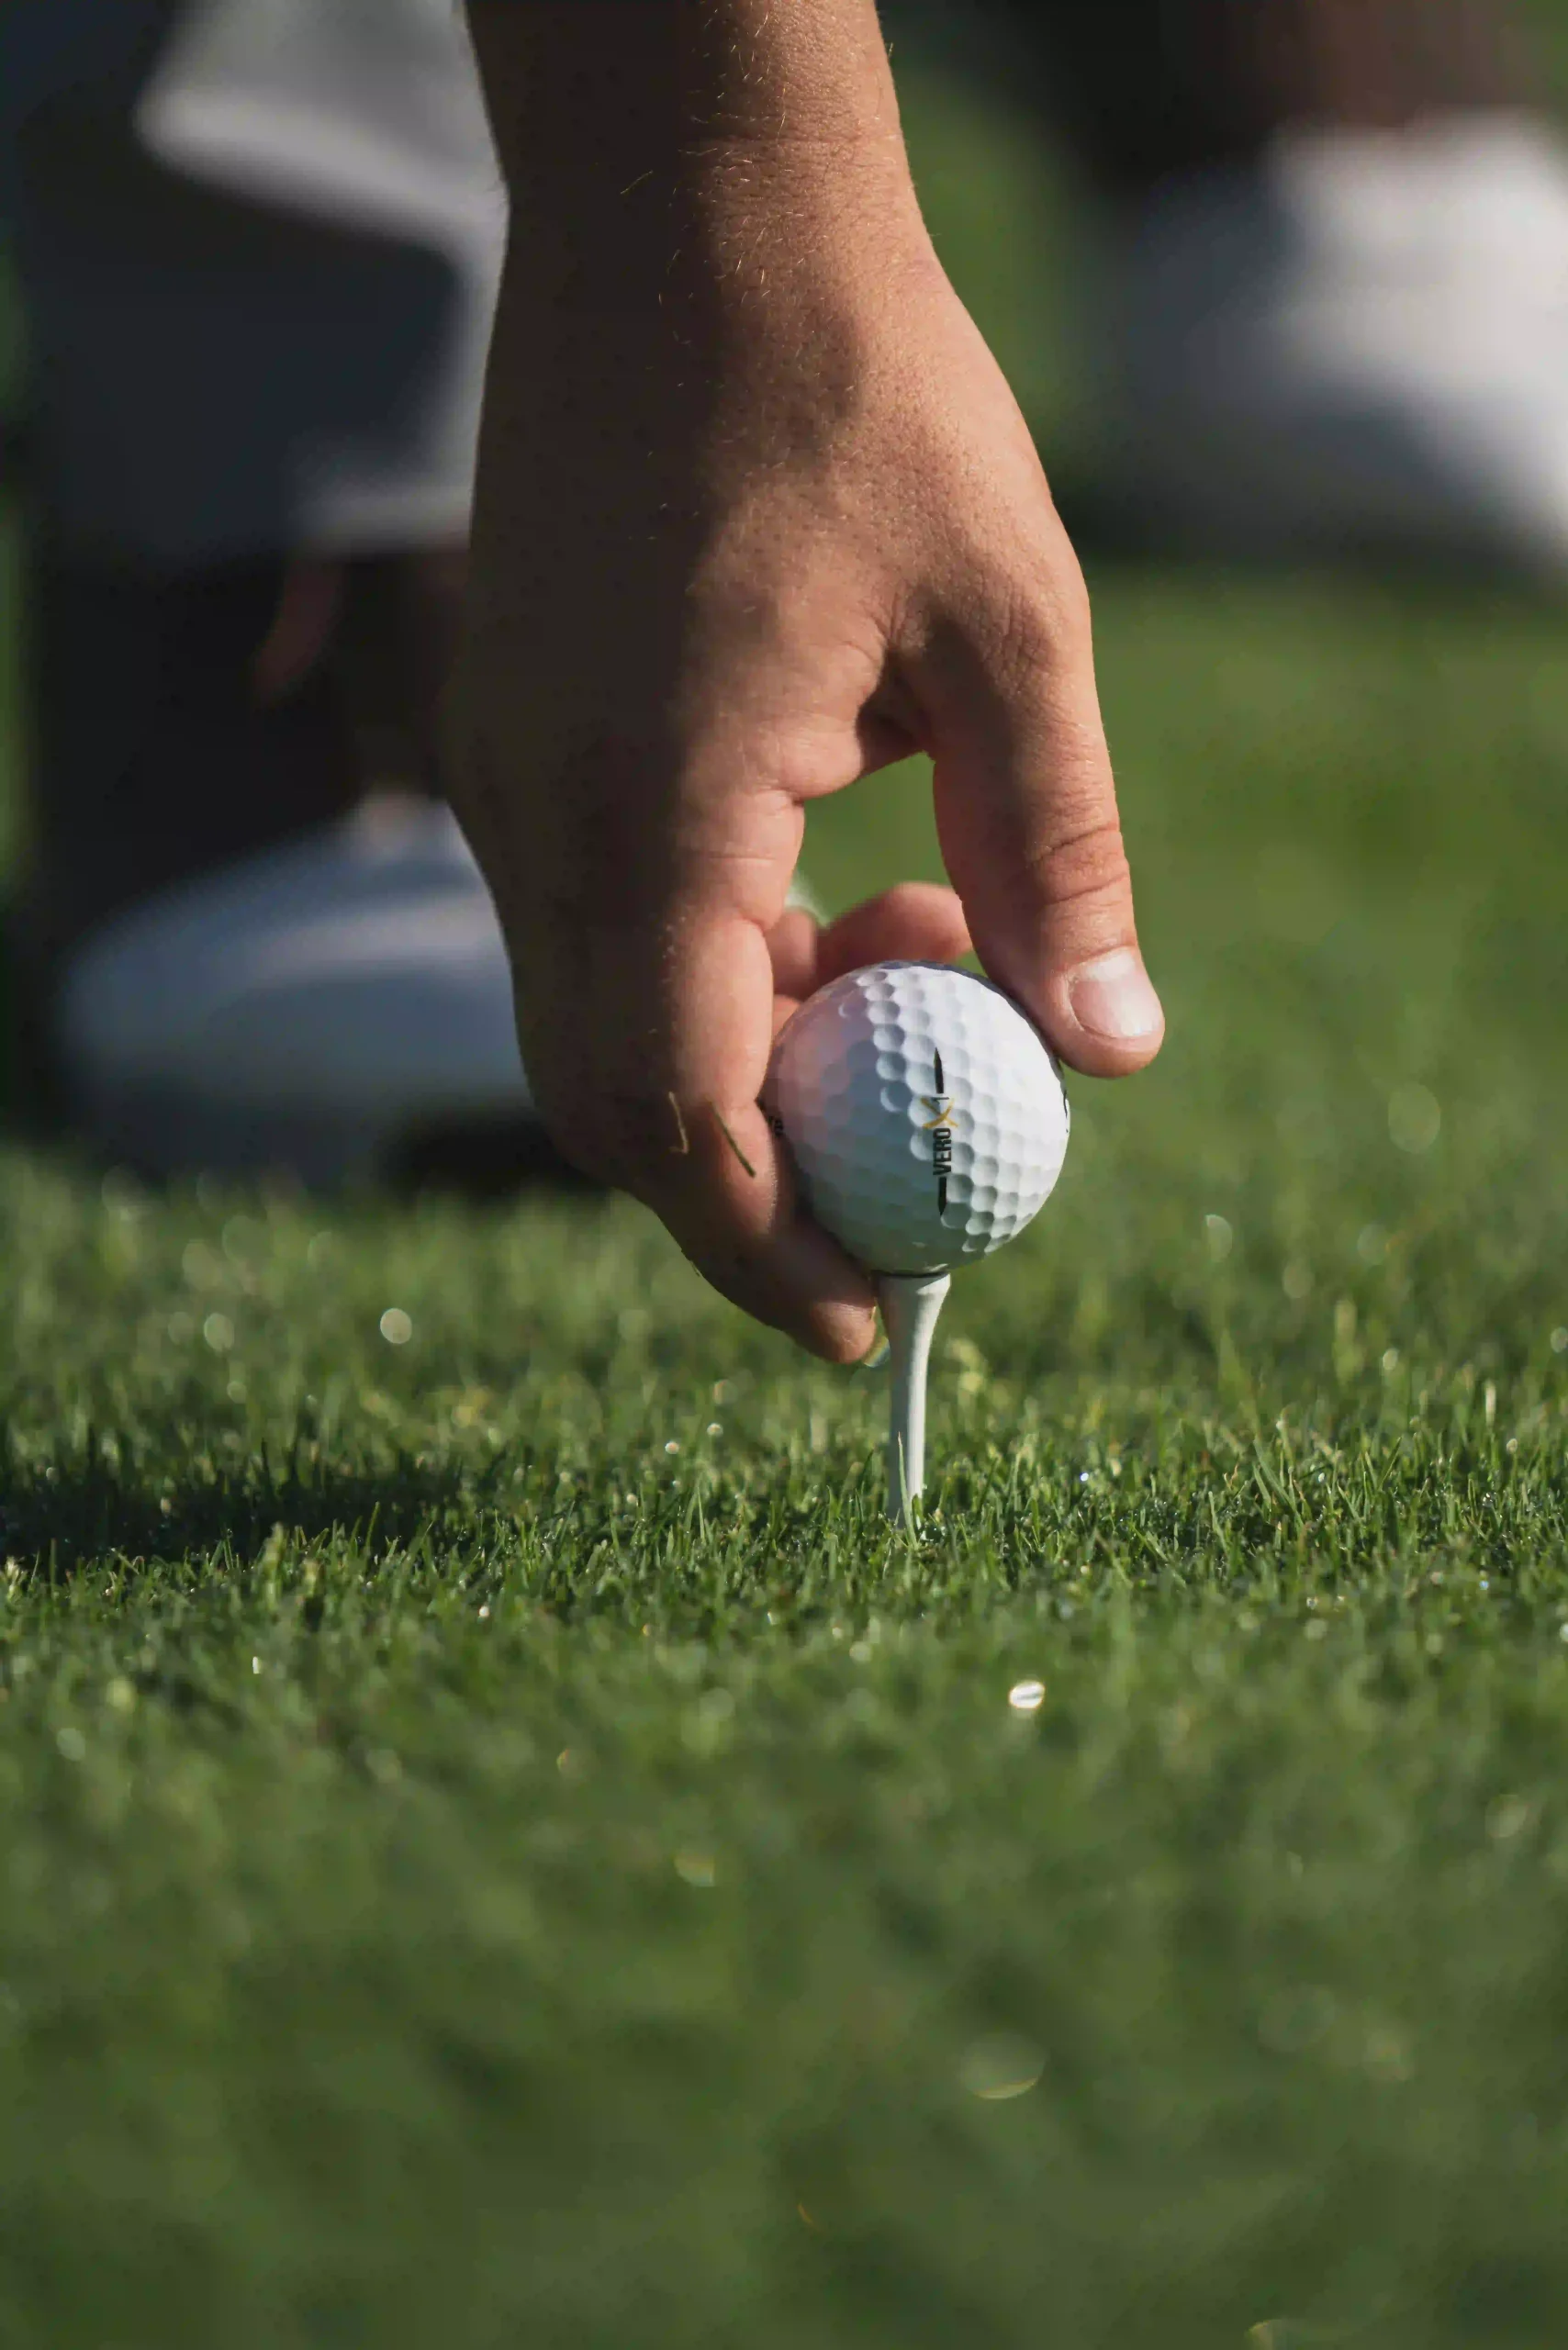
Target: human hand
x=756 y=514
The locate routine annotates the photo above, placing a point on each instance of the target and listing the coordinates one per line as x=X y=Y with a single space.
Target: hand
x=756 y=514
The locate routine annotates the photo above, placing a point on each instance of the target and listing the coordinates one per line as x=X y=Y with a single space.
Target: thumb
x=1026 y=815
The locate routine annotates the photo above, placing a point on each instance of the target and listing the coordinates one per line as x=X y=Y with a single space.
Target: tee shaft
x=911 y=1303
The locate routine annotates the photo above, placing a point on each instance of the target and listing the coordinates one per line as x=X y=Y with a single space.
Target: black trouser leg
x=1147 y=87
x=153 y=756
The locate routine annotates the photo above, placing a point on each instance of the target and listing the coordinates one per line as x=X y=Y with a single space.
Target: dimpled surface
x=924 y=1112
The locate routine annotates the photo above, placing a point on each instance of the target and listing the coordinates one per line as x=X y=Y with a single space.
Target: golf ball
x=925 y=1113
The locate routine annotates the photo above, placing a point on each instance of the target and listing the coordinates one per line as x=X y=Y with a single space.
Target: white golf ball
x=924 y=1112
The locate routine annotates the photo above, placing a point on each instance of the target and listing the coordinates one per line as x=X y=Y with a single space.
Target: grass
x=498 y=1835
x=497 y=1840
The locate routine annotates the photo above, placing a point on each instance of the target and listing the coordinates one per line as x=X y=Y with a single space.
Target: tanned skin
x=756 y=514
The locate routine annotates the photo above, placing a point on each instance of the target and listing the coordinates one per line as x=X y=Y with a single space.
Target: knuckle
x=627 y=1140
x=1026 y=645
x=1039 y=615
x=1087 y=863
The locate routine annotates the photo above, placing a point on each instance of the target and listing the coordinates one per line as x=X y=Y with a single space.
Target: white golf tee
x=911 y=1303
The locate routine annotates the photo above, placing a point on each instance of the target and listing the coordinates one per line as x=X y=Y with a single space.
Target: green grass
x=474 y=1871
x=499 y=1844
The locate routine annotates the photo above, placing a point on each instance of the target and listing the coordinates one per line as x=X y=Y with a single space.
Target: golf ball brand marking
x=941 y=1133
x=924 y=1112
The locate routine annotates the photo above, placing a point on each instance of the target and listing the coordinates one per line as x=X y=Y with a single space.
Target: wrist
x=624 y=125
x=578 y=75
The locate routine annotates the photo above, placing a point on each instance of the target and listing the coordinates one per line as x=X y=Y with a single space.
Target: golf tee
x=911 y=1303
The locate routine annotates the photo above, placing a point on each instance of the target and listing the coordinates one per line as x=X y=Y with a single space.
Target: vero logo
x=939 y=1126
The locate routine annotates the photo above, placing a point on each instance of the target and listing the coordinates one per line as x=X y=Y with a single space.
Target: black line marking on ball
x=941 y=1134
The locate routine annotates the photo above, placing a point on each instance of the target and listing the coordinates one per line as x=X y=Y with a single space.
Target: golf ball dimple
x=925 y=1113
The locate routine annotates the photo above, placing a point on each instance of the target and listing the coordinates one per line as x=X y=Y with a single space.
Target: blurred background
x=1283 y=292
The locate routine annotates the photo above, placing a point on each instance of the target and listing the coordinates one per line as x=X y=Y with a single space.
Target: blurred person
x=260 y=241
x=1340 y=315
x=258 y=248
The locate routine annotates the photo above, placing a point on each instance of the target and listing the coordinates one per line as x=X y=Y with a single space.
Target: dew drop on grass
x=1026 y=1697
x=395 y=1326
x=1386 y=2054
x=1415 y=1118
x=1508 y=1816
x=1001 y=2066
x=199 y=1265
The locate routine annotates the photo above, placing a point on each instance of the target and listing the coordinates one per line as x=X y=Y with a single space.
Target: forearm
x=632 y=132
x=711 y=211
x=580 y=80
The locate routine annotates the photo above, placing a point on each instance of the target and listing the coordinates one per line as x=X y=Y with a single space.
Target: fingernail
x=1114 y=998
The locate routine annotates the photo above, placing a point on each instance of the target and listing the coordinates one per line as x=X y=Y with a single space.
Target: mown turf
x=498 y=1843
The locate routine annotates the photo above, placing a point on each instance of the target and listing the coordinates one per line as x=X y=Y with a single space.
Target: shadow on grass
x=59 y=1516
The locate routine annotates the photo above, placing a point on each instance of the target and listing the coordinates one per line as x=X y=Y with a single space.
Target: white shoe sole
x=313 y=1007
x=340 y=1008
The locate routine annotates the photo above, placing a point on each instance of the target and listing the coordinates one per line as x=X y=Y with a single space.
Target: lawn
x=499 y=1844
